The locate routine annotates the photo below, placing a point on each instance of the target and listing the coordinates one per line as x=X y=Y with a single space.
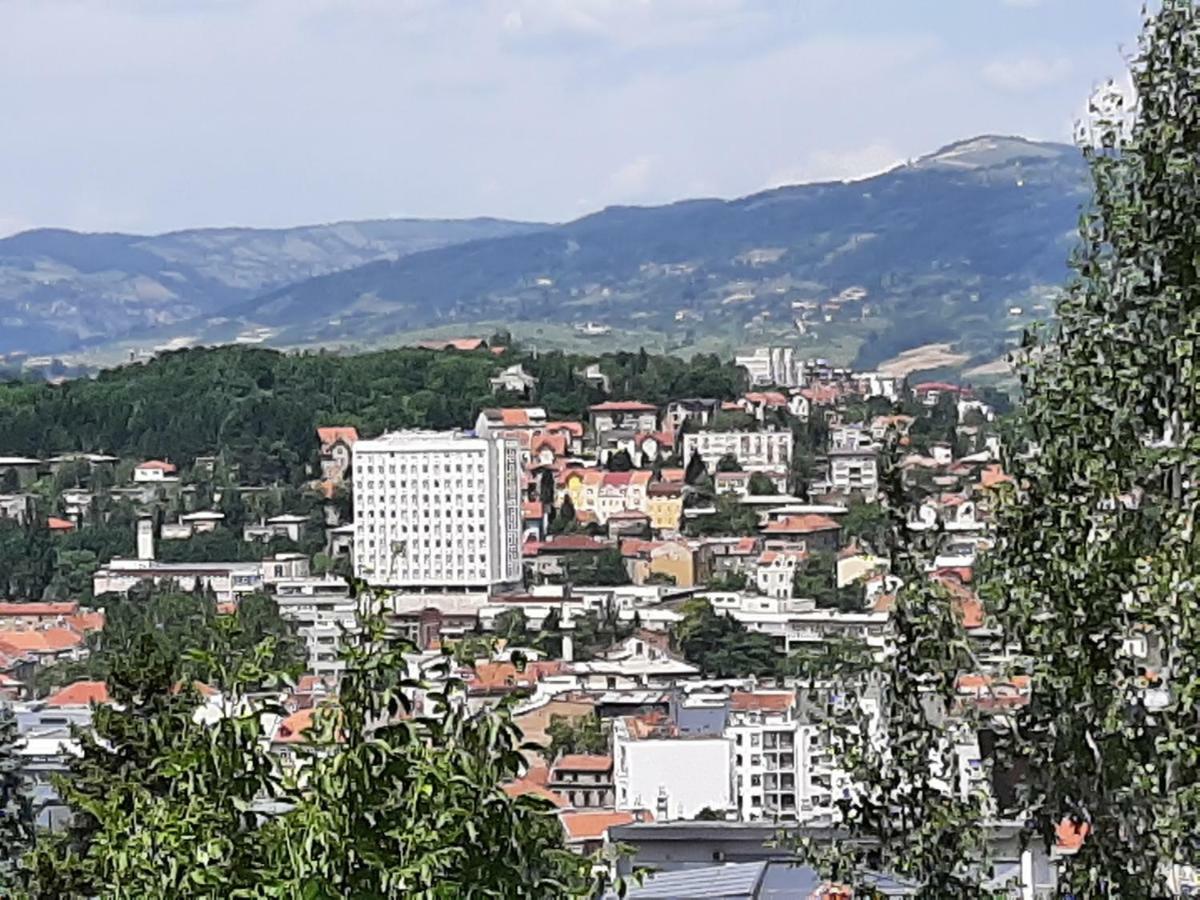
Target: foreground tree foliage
x=386 y=796
x=1099 y=553
x=16 y=812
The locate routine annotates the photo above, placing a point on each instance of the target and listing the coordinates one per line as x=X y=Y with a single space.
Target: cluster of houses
x=699 y=497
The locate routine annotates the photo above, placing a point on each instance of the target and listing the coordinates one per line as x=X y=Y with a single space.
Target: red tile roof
x=531 y=509
x=567 y=543
x=81 y=693
x=806 y=524
x=524 y=786
x=762 y=701
x=54 y=523
x=453 y=344
x=1069 y=836
x=575 y=429
x=926 y=386
x=593 y=825
x=45 y=640
x=332 y=434
x=87 y=621
x=584 y=762
x=993 y=476
x=39 y=609
x=292 y=729
x=156 y=464
x=672 y=475
x=622 y=406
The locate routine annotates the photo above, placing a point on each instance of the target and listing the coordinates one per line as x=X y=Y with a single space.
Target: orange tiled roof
x=584 y=762
x=531 y=509
x=330 y=435
x=761 y=701
x=90 y=620
x=453 y=344
x=54 y=523
x=291 y=730
x=156 y=464
x=591 y=825
x=81 y=693
x=1069 y=836
x=524 y=786
x=622 y=406
x=994 y=475
x=575 y=429
x=45 y=640
x=40 y=609
x=805 y=524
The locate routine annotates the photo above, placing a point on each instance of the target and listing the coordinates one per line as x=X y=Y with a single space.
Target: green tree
x=1097 y=543
x=564 y=521
x=512 y=625
x=578 y=734
x=868 y=523
x=761 y=485
x=721 y=646
x=16 y=809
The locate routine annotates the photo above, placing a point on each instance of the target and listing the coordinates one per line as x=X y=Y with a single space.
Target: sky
x=154 y=115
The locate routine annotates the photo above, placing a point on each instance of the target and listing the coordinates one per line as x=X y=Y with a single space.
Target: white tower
x=145 y=538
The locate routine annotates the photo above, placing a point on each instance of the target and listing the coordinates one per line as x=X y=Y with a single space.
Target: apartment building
x=658 y=767
x=324 y=612
x=437 y=510
x=755 y=451
x=772 y=366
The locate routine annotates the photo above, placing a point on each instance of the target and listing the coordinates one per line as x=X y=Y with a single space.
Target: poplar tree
x=1098 y=556
x=16 y=809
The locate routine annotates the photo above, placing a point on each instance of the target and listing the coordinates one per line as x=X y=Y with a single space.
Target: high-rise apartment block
x=437 y=511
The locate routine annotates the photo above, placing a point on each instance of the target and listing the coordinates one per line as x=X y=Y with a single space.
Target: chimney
x=662 y=808
x=145 y=538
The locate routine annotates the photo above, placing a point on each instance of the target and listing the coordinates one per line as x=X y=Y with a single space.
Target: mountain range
x=960 y=248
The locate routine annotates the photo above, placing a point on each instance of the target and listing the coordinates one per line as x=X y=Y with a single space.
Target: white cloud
x=633 y=178
x=840 y=165
x=1026 y=73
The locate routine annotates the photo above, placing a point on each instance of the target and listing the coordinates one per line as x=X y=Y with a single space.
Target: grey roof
x=763 y=880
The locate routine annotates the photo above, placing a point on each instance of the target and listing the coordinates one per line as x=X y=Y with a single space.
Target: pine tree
x=1098 y=549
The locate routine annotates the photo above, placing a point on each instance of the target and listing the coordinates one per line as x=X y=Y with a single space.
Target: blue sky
x=150 y=115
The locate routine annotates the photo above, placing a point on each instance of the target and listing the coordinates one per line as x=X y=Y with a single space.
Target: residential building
x=675 y=775
x=227 y=580
x=505 y=421
x=772 y=366
x=154 y=470
x=584 y=780
x=664 y=505
x=336 y=449
x=23 y=468
x=437 y=510
x=628 y=414
x=324 y=612
x=776 y=570
x=514 y=380
x=696 y=409
x=854 y=471
x=819 y=533
x=755 y=451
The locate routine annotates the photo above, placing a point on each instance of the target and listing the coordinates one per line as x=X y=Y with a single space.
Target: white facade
x=854 y=471
x=324 y=612
x=755 y=451
x=673 y=777
x=437 y=510
x=773 y=366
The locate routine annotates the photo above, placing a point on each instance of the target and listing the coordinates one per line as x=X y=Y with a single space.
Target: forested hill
x=937 y=250
x=59 y=287
x=260 y=407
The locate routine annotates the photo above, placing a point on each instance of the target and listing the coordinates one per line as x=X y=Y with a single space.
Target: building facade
x=755 y=451
x=438 y=510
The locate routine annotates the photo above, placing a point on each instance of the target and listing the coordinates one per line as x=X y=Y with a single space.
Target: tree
x=696 y=470
x=868 y=523
x=720 y=645
x=10 y=482
x=1097 y=540
x=512 y=626
x=728 y=463
x=16 y=809
x=816 y=579
x=565 y=522
x=761 y=485
x=620 y=461
x=579 y=734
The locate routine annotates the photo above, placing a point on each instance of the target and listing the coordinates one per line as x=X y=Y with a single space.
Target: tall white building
x=438 y=511
x=755 y=451
x=772 y=366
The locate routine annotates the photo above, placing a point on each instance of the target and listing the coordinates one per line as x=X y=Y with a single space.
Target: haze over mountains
x=944 y=249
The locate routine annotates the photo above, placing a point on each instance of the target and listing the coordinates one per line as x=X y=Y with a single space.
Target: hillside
x=960 y=247
x=936 y=250
x=58 y=287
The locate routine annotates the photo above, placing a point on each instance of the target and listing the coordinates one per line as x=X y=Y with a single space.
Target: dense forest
x=260 y=406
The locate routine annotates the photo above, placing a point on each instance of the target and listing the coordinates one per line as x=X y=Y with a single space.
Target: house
x=878 y=384
x=595 y=377
x=16 y=507
x=732 y=555
x=548 y=559
x=699 y=410
x=629 y=414
x=930 y=392
x=854 y=470
x=80 y=693
x=59 y=526
x=772 y=366
x=17 y=472
x=202 y=521
x=664 y=505
x=603 y=493
x=656 y=766
x=463 y=345
x=506 y=421
x=762 y=404
x=583 y=780
x=675 y=561
x=587 y=830
x=336 y=449
x=775 y=570
x=154 y=470
x=33 y=615
x=819 y=533
x=45 y=645
x=514 y=380
x=737 y=483
x=755 y=451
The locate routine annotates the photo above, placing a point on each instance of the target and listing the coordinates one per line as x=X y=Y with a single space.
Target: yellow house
x=664 y=505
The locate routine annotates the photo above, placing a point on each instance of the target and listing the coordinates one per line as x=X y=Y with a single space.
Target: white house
x=655 y=767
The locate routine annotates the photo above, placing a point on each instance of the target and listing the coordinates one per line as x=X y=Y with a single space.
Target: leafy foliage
x=720 y=645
